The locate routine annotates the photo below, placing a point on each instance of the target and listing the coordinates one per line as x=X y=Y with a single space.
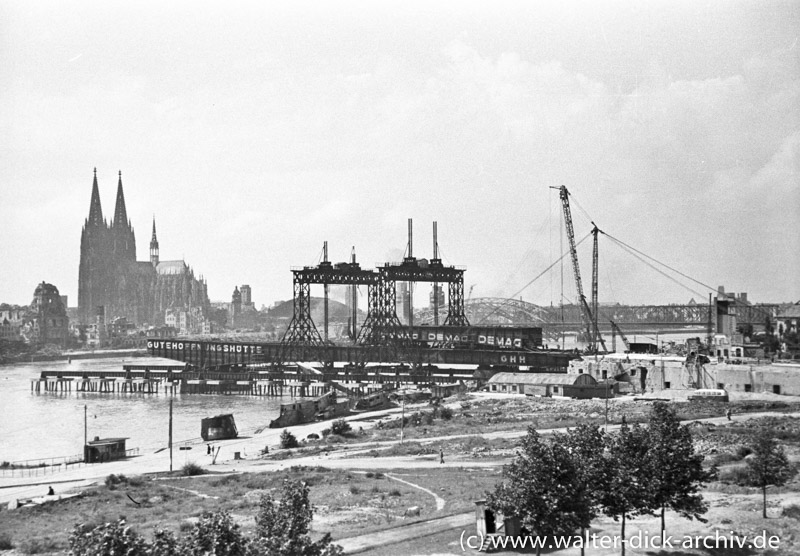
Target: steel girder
x=455 y=304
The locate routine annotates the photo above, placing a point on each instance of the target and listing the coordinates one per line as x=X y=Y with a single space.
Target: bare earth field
x=378 y=496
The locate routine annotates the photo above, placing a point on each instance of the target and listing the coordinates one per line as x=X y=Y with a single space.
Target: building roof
x=171 y=267
x=537 y=378
x=791 y=312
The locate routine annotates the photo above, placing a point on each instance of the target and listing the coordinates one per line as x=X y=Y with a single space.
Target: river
x=49 y=425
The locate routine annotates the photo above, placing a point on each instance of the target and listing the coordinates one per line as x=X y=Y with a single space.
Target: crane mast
x=588 y=316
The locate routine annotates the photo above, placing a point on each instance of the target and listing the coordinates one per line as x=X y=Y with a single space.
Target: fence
x=49 y=466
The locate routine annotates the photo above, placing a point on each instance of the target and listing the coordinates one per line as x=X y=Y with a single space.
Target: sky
x=255 y=131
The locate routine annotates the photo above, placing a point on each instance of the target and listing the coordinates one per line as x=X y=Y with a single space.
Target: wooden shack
x=104 y=449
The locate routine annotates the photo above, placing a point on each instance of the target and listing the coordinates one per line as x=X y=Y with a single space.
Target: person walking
x=441 y=456
x=728 y=414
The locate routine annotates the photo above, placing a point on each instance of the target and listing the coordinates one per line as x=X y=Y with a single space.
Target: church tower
x=236 y=306
x=122 y=231
x=154 y=246
x=94 y=250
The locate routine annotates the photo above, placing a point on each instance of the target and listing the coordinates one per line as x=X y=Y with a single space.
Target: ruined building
x=112 y=278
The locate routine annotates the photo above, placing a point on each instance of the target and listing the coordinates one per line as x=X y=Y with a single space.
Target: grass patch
x=5 y=542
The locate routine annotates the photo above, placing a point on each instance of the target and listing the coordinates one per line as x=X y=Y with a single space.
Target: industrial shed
x=547 y=384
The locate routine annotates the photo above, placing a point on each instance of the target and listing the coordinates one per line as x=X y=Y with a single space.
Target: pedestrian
x=441 y=456
x=728 y=414
x=208 y=449
x=50 y=491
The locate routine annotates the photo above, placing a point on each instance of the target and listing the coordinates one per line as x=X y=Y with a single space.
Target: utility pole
x=85 y=435
x=435 y=284
x=170 y=435
x=402 y=416
x=326 y=287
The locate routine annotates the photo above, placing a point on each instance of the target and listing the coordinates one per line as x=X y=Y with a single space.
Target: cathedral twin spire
x=120 y=214
x=124 y=240
x=96 y=209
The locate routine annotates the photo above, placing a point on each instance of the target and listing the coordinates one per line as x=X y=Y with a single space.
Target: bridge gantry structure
x=382 y=327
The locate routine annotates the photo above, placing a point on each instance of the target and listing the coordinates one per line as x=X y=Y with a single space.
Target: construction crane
x=589 y=318
x=617 y=330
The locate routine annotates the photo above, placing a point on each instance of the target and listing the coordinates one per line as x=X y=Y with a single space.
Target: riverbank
x=363 y=493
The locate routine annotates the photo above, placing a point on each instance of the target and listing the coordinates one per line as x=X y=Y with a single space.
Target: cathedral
x=113 y=284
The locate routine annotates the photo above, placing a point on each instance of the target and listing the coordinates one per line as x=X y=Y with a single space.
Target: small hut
x=104 y=449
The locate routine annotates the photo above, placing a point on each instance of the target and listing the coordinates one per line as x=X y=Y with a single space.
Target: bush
x=334 y=439
x=312 y=436
x=113 y=480
x=792 y=511
x=341 y=427
x=394 y=492
x=215 y=533
x=288 y=440
x=191 y=469
x=735 y=475
x=446 y=413
x=110 y=538
x=325 y=432
x=5 y=542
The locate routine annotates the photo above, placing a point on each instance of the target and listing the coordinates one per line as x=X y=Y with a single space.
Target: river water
x=49 y=425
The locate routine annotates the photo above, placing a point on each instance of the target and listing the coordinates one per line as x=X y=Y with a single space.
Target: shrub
x=341 y=427
x=312 y=436
x=109 y=538
x=394 y=492
x=191 y=469
x=446 y=413
x=743 y=451
x=735 y=475
x=354 y=489
x=792 y=511
x=215 y=533
x=325 y=432
x=288 y=440
x=334 y=439
x=113 y=480
x=427 y=417
x=5 y=542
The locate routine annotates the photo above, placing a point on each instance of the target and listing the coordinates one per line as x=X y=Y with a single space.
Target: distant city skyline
x=256 y=132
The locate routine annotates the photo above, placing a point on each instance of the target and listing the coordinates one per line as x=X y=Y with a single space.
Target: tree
x=678 y=471
x=626 y=492
x=585 y=444
x=282 y=525
x=538 y=487
x=768 y=466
